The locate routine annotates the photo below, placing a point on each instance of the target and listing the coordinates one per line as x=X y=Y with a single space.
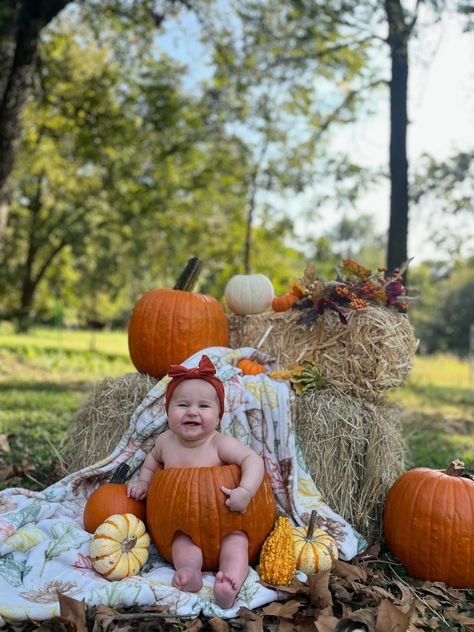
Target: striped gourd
x=315 y=550
x=120 y=546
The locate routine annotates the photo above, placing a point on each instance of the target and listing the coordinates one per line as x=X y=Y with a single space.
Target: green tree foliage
x=444 y=313
x=122 y=176
x=444 y=191
x=119 y=176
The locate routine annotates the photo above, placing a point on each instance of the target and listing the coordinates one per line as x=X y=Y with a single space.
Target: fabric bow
x=205 y=369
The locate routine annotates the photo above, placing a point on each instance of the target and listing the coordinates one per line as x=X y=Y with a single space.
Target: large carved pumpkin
x=190 y=500
x=169 y=325
x=429 y=524
x=111 y=498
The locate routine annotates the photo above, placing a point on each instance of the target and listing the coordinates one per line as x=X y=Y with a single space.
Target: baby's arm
x=138 y=489
x=232 y=451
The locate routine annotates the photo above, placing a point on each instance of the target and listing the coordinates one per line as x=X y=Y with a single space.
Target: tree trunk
x=399 y=33
x=20 y=27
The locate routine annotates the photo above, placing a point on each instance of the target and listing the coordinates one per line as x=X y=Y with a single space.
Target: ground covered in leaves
x=371 y=595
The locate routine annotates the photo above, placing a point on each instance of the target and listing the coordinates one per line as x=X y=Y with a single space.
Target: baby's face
x=194 y=410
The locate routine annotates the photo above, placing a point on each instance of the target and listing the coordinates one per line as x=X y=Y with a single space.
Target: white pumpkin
x=249 y=293
x=120 y=546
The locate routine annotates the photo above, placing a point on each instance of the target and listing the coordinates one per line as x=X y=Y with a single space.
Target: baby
x=194 y=402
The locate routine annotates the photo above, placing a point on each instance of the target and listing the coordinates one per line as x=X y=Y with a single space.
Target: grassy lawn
x=44 y=379
x=438 y=411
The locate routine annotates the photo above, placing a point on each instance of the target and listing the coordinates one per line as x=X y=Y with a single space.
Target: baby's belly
x=190 y=500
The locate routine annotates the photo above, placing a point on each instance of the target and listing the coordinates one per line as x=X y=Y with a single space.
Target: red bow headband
x=205 y=371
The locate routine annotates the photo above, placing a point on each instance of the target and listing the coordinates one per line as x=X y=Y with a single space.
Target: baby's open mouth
x=191 y=423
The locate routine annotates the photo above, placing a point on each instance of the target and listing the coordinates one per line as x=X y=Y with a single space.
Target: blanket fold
x=44 y=548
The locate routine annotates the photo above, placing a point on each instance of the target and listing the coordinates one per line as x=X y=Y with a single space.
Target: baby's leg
x=187 y=560
x=233 y=568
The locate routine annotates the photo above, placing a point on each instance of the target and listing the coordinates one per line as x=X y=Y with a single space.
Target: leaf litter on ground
x=372 y=595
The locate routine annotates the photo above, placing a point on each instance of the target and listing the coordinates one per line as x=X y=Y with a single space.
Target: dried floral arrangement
x=354 y=288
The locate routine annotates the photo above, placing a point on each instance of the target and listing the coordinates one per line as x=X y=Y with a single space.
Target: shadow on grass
x=443 y=395
x=46 y=387
x=433 y=441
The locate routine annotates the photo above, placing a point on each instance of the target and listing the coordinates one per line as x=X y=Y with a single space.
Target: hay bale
x=354 y=452
x=98 y=425
x=372 y=353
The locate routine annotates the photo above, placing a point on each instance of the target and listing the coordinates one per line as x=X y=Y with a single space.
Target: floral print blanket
x=44 y=548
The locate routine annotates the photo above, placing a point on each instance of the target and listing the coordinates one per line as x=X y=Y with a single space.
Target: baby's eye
x=205 y=406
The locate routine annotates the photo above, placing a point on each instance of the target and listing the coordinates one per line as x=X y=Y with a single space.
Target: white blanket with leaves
x=44 y=548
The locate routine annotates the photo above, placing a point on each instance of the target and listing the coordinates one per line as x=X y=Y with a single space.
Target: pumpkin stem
x=121 y=473
x=128 y=544
x=311 y=525
x=189 y=275
x=455 y=468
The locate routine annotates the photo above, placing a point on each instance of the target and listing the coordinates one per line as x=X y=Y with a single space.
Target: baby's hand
x=238 y=500
x=137 y=489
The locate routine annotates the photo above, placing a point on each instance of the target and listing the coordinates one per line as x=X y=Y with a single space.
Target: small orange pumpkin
x=190 y=500
x=283 y=303
x=429 y=524
x=250 y=367
x=110 y=499
x=169 y=325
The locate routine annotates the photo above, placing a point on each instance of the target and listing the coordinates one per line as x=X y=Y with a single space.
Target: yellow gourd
x=277 y=559
x=120 y=546
x=315 y=550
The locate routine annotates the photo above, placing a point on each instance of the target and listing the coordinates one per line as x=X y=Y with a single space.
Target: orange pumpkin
x=250 y=367
x=284 y=302
x=429 y=524
x=190 y=500
x=169 y=325
x=110 y=499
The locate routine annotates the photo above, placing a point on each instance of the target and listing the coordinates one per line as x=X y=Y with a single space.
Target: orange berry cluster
x=342 y=291
x=358 y=303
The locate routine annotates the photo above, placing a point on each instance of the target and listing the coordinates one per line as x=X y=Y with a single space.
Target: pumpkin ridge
x=127 y=521
x=471 y=554
x=103 y=536
x=418 y=554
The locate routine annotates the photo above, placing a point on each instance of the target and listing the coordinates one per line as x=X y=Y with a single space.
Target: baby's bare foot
x=225 y=590
x=188 y=579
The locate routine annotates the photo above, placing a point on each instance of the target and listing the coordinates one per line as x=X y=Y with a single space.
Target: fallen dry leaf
x=4 y=443
x=253 y=622
x=194 y=626
x=6 y=472
x=103 y=618
x=349 y=571
x=371 y=553
x=296 y=587
x=286 y=609
x=362 y=619
x=320 y=595
x=326 y=623
x=73 y=610
x=392 y=619
x=218 y=625
x=459 y=618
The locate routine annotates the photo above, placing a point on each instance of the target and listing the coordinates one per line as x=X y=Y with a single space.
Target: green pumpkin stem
x=121 y=473
x=311 y=525
x=455 y=468
x=189 y=275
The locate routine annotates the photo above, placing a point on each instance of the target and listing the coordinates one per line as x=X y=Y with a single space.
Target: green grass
x=438 y=411
x=45 y=377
